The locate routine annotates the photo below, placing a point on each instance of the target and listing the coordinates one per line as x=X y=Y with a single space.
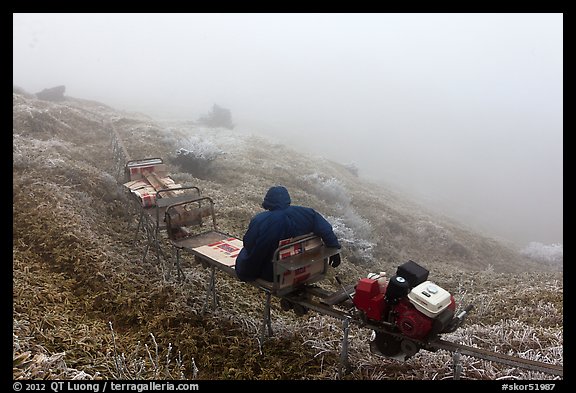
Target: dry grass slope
x=85 y=305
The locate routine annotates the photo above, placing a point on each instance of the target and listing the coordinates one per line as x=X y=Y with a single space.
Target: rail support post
x=178 y=267
x=344 y=352
x=149 y=238
x=266 y=320
x=457 y=365
x=210 y=290
x=140 y=224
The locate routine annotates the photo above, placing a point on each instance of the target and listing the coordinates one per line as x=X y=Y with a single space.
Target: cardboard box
x=297 y=248
x=147 y=192
x=138 y=170
x=290 y=272
x=144 y=191
x=224 y=251
x=291 y=278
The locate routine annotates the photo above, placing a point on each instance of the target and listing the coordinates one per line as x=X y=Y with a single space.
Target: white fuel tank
x=429 y=298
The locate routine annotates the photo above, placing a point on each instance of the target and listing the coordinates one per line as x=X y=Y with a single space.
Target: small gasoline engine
x=411 y=310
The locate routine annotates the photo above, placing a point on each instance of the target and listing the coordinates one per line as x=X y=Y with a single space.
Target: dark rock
x=52 y=94
x=219 y=117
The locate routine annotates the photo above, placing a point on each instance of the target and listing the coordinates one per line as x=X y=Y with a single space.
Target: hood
x=276 y=198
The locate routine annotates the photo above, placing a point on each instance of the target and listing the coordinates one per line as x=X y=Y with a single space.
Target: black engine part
x=385 y=344
x=398 y=288
x=441 y=322
x=286 y=304
x=413 y=273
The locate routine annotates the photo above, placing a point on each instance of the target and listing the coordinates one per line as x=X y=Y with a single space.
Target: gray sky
x=464 y=111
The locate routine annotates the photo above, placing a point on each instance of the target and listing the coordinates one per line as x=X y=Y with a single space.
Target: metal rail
x=119 y=152
x=484 y=354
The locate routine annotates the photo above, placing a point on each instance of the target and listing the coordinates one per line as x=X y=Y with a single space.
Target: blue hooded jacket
x=266 y=229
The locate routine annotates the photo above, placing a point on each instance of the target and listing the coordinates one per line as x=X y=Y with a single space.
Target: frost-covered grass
x=77 y=266
x=549 y=253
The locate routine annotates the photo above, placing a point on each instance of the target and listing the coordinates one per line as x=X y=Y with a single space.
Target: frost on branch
x=197 y=156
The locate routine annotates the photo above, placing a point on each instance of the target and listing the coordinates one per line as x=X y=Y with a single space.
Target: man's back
x=266 y=229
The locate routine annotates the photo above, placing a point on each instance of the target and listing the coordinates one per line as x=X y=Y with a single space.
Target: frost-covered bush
x=353 y=238
x=352 y=168
x=352 y=230
x=331 y=190
x=552 y=253
x=196 y=155
x=361 y=227
x=218 y=117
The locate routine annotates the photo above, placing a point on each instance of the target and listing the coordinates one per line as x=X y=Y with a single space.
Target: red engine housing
x=369 y=297
x=411 y=322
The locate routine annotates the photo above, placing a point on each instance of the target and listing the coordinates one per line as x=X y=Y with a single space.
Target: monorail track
x=479 y=353
x=438 y=344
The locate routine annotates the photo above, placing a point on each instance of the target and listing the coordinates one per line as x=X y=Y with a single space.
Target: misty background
x=463 y=112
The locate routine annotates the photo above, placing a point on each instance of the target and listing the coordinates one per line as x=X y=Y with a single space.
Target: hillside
x=87 y=306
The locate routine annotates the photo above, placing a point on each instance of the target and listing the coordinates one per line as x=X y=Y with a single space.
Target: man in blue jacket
x=280 y=221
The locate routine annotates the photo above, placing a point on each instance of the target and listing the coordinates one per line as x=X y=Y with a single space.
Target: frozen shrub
x=219 y=117
x=552 y=253
x=197 y=156
x=352 y=168
x=361 y=227
x=331 y=190
x=353 y=231
x=361 y=248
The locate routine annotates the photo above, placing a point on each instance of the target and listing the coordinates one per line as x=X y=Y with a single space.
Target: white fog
x=464 y=112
